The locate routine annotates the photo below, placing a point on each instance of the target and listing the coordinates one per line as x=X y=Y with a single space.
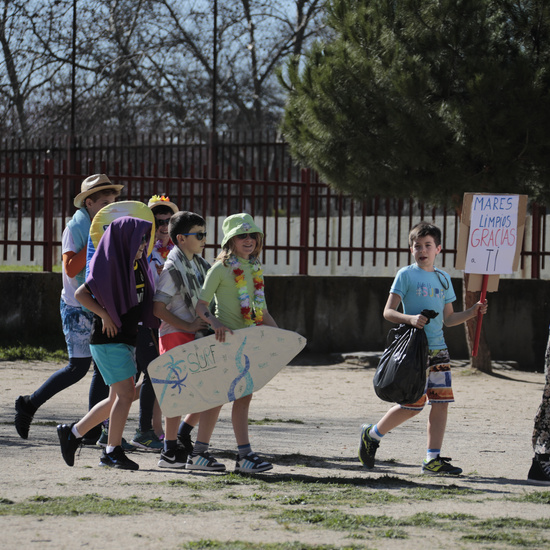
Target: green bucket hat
x=238 y=224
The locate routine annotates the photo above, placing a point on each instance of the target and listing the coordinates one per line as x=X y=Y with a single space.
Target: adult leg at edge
x=541 y=429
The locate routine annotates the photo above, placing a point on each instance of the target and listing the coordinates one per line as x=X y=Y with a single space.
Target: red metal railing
x=304 y=217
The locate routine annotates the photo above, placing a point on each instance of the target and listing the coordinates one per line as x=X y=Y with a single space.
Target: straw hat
x=93 y=184
x=238 y=224
x=161 y=200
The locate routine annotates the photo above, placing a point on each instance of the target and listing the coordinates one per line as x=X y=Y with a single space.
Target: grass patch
x=29 y=268
x=513 y=523
x=32 y=353
x=505 y=530
x=242 y=545
x=215 y=483
x=542 y=497
x=336 y=520
x=502 y=537
x=265 y=421
x=425 y=493
x=342 y=521
x=96 y=504
x=351 y=496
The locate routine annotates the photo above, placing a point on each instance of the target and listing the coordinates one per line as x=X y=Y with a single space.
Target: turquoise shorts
x=116 y=362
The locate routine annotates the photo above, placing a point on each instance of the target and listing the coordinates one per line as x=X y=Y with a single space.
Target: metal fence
x=310 y=229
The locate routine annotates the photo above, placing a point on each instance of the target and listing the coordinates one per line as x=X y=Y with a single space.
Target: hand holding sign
x=492 y=226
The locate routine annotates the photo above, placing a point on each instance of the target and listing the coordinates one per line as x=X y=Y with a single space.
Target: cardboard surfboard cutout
x=205 y=373
x=112 y=212
x=115 y=210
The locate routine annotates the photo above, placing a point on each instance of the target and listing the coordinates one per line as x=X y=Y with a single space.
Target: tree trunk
x=482 y=361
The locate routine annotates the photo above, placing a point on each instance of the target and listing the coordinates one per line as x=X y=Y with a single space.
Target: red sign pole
x=479 y=314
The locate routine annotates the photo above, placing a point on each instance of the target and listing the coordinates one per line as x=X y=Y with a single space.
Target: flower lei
x=252 y=315
x=159 y=198
x=163 y=250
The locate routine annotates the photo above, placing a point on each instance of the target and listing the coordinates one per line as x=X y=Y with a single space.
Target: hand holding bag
x=401 y=373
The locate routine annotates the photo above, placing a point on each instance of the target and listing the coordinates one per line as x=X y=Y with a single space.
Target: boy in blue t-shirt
x=421 y=286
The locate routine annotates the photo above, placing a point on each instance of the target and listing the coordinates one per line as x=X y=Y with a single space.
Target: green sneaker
x=440 y=466
x=367 y=446
x=103 y=438
x=147 y=441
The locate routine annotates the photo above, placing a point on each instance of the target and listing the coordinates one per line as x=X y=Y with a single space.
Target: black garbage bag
x=401 y=373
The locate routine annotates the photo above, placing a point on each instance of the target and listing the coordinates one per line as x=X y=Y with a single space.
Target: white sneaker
x=252 y=464
x=204 y=462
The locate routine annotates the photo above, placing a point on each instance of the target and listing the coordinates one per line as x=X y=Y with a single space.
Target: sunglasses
x=244 y=236
x=442 y=279
x=200 y=235
x=160 y=223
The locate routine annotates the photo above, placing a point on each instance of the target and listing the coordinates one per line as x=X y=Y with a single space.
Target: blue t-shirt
x=420 y=289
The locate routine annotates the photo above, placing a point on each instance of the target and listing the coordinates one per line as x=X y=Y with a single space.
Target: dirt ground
x=314 y=413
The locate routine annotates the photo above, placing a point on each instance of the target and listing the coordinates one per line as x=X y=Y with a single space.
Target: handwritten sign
x=493 y=234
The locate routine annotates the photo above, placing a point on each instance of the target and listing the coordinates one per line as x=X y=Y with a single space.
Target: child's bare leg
x=192 y=419
x=125 y=394
x=137 y=388
x=247 y=460
x=200 y=458
x=96 y=414
x=239 y=419
x=395 y=417
x=207 y=423
x=372 y=434
x=437 y=422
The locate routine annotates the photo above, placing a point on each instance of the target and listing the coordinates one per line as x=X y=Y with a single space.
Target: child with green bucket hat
x=236 y=282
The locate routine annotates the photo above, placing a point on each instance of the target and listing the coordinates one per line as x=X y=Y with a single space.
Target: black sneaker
x=69 y=443
x=367 y=446
x=24 y=414
x=186 y=443
x=117 y=459
x=173 y=458
x=440 y=465
x=539 y=473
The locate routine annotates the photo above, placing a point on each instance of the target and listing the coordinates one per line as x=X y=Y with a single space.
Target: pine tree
x=426 y=99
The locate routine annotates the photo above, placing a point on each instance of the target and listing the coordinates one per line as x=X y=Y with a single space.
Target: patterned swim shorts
x=77 y=328
x=439 y=382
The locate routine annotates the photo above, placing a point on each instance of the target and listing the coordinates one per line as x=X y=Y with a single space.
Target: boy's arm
x=162 y=312
x=452 y=318
x=391 y=314
x=204 y=313
x=84 y=296
x=74 y=262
